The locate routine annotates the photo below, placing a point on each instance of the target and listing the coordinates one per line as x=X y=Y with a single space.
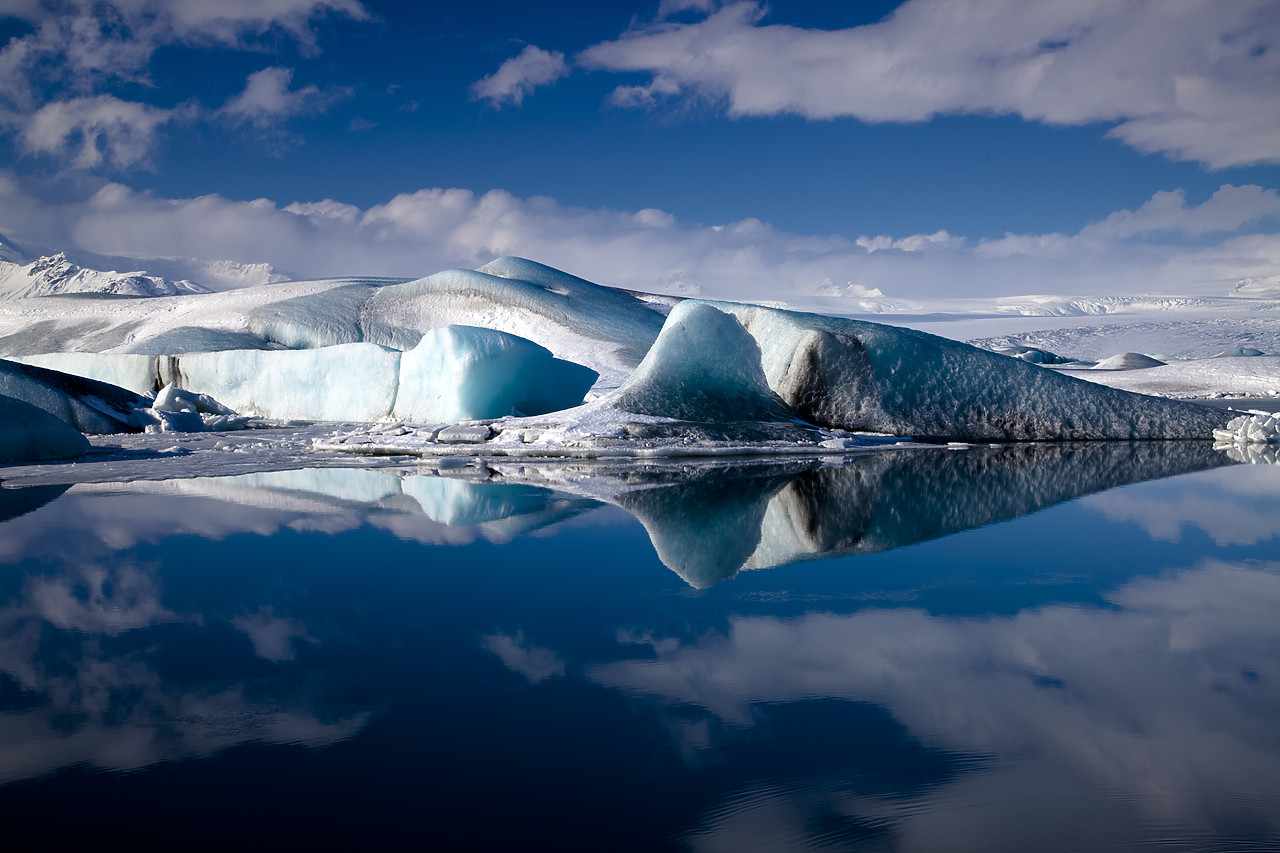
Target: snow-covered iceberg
x=278 y=351
x=863 y=376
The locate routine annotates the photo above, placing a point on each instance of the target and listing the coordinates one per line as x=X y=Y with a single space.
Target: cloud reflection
x=1159 y=711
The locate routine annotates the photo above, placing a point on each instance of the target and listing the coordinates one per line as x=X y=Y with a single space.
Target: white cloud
x=520 y=75
x=95 y=130
x=422 y=232
x=267 y=98
x=1197 y=80
x=52 y=79
x=1226 y=210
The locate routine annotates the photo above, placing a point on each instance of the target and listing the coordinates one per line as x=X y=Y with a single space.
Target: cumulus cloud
x=267 y=98
x=520 y=75
x=52 y=79
x=1198 y=80
x=422 y=232
x=95 y=130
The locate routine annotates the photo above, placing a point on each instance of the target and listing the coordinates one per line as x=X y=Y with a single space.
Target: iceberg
x=367 y=349
x=463 y=372
x=30 y=434
x=860 y=376
x=348 y=382
x=92 y=407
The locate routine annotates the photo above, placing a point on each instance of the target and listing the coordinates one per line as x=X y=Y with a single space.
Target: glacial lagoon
x=1063 y=647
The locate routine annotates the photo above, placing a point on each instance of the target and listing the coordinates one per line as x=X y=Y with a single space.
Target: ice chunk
x=1128 y=361
x=463 y=372
x=30 y=434
x=870 y=377
x=703 y=367
x=1254 y=428
x=90 y=406
x=350 y=382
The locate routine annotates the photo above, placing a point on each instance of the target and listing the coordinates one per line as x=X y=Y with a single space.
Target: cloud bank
x=418 y=233
x=1196 y=80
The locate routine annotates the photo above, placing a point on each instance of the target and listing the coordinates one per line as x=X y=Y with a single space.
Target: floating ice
x=90 y=406
x=31 y=434
x=1035 y=355
x=349 y=382
x=463 y=372
x=703 y=367
x=1254 y=428
x=868 y=377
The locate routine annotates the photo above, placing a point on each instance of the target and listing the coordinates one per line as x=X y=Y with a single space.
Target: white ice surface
x=1257 y=376
x=347 y=382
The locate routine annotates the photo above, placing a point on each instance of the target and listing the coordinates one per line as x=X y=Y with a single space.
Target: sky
x=870 y=153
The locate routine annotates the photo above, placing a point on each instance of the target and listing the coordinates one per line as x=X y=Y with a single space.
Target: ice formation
x=349 y=350
x=87 y=405
x=862 y=376
x=1252 y=428
x=30 y=434
x=462 y=372
x=703 y=367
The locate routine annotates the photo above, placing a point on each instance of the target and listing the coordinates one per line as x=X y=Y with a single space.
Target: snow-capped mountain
x=54 y=275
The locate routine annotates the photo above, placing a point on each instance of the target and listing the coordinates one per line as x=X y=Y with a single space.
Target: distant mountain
x=27 y=272
x=54 y=275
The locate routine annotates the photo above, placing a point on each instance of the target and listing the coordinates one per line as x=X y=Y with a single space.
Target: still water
x=1069 y=648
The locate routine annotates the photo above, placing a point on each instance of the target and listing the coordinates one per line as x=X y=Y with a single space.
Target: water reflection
x=1157 y=712
x=799 y=708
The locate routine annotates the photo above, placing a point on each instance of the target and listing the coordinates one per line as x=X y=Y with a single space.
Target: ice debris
x=1253 y=428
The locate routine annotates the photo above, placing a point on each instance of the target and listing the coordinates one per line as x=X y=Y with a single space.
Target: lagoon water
x=1064 y=648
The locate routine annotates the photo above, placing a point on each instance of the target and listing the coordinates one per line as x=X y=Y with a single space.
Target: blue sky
x=860 y=151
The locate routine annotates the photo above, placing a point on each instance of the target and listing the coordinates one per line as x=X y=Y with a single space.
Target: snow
x=1254 y=376
x=31 y=434
x=463 y=372
x=54 y=274
x=1128 y=361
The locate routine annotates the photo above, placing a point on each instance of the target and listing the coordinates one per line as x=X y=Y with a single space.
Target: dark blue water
x=1018 y=649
